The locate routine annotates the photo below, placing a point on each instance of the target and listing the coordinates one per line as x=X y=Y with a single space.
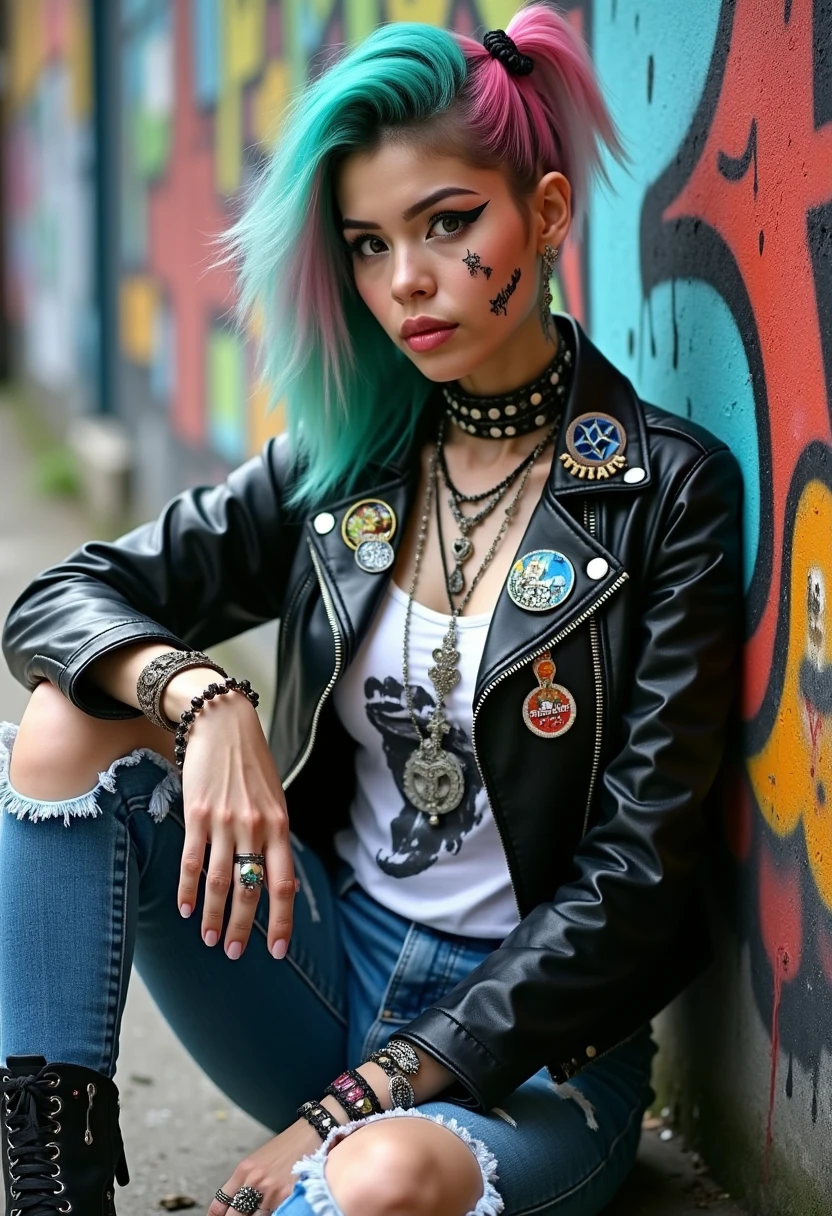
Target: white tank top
x=453 y=877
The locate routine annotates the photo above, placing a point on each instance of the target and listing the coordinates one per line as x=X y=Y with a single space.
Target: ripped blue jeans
x=88 y=887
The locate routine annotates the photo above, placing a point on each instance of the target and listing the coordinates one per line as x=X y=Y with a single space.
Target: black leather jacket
x=604 y=830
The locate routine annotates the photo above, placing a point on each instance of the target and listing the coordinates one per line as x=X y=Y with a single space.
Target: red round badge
x=549 y=711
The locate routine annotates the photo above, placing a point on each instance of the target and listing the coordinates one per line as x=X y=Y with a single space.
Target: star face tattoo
x=498 y=304
x=472 y=261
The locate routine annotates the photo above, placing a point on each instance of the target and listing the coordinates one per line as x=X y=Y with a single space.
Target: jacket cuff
x=486 y=1079
x=81 y=691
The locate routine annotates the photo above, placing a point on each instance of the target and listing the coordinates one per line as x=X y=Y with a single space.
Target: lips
x=423 y=325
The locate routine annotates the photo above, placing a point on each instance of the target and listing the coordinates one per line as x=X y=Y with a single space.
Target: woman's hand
x=233 y=800
x=269 y=1169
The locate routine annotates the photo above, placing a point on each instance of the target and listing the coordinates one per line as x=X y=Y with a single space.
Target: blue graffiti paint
x=694 y=364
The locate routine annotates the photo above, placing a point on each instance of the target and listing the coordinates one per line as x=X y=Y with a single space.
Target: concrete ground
x=183 y=1136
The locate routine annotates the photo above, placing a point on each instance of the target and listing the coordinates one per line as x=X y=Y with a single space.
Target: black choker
x=518 y=412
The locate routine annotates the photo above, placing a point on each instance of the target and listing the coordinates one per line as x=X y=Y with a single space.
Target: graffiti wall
x=49 y=175
x=711 y=283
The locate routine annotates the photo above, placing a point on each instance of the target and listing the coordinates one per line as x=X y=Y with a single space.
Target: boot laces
x=30 y=1111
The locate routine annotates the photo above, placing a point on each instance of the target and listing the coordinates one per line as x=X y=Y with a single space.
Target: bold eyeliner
x=467 y=218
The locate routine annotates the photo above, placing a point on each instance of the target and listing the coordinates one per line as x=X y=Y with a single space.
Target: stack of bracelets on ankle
x=355 y=1095
x=198 y=703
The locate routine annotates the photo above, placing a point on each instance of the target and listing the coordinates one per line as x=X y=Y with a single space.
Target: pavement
x=183 y=1136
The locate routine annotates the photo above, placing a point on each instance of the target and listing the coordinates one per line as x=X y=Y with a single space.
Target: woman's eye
x=447 y=225
x=370 y=245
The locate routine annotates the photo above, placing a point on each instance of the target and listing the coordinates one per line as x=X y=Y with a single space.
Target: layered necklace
x=434 y=779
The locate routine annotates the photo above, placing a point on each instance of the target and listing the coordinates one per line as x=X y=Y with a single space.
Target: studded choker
x=522 y=410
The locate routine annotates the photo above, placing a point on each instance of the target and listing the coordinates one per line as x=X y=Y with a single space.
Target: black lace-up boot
x=61 y=1140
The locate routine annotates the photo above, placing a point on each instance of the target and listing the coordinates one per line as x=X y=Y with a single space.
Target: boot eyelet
x=53 y=1084
x=56 y=1127
x=61 y=1187
x=68 y=1208
x=60 y=1105
x=56 y=1147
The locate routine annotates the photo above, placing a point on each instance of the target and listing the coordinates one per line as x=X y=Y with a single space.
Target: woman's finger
x=193 y=860
x=217 y=882
x=282 y=887
x=244 y=900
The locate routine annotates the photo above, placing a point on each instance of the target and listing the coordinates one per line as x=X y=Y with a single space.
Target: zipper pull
x=90 y=1096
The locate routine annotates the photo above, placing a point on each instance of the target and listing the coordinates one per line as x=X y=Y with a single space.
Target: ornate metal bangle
x=197 y=703
x=401 y=1091
x=156 y=676
x=404 y=1055
x=354 y=1094
x=318 y=1116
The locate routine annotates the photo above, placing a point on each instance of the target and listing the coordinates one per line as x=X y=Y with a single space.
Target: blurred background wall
x=131 y=128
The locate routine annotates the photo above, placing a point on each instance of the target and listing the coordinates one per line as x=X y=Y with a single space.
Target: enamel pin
x=541 y=580
x=368 y=528
x=595 y=446
x=550 y=710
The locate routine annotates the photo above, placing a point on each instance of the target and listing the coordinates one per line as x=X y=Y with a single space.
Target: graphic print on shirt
x=415 y=844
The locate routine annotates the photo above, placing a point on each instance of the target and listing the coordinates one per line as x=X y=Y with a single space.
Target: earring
x=550 y=256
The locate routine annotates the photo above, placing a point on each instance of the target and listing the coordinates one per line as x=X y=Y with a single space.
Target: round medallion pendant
x=375 y=556
x=541 y=580
x=433 y=781
x=549 y=712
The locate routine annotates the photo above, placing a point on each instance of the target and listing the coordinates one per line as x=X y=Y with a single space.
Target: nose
x=411 y=276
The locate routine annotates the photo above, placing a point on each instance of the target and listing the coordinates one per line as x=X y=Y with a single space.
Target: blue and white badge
x=595 y=446
x=541 y=580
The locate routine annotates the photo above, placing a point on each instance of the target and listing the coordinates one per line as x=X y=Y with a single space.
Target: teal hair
x=351 y=396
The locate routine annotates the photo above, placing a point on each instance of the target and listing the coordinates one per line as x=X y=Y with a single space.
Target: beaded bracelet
x=354 y=1094
x=318 y=1116
x=186 y=718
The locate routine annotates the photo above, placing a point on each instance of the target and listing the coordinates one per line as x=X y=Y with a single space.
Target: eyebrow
x=411 y=212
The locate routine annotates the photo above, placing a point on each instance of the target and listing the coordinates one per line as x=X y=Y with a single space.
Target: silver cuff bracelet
x=156 y=676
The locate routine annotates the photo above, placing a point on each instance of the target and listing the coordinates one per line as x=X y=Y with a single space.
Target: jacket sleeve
x=212 y=565
x=558 y=984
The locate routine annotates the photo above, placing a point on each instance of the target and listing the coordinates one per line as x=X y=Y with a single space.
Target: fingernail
x=234 y=949
x=185 y=910
x=297 y=885
x=279 y=948
x=211 y=937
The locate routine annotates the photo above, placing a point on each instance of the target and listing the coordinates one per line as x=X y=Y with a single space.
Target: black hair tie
x=500 y=46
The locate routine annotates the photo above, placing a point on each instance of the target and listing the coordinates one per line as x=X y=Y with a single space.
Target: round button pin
x=540 y=580
x=597 y=567
x=634 y=475
x=323 y=523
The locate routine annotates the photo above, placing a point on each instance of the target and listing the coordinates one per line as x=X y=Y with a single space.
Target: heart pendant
x=462 y=548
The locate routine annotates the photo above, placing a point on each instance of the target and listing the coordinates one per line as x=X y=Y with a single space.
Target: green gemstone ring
x=252 y=869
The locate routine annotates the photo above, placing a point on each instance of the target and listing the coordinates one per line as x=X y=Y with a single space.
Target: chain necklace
x=461 y=546
x=434 y=780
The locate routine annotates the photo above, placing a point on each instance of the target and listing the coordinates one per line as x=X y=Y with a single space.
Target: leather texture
x=605 y=830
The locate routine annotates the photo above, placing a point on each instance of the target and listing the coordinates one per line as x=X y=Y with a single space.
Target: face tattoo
x=498 y=304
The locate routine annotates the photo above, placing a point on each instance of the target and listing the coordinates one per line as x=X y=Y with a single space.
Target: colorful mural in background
x=706 y=276
x=50 y=175
x=711 y=284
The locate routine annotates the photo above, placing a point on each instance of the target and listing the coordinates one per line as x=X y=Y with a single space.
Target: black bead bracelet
x=187 y=716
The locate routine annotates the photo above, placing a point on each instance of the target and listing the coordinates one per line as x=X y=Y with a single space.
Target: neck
x=516 y=363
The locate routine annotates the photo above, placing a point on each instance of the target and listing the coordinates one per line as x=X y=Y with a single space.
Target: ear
x=553 y=210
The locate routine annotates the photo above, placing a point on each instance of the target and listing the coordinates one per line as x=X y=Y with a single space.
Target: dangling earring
x=550 y=256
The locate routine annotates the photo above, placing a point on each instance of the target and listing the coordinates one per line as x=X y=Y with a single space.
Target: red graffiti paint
x=815 y=723
x=766 y=109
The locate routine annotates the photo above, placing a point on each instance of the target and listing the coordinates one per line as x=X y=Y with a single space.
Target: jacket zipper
x=90 y=1098
x=527 y=658
x=339 y=655
x=590 y=524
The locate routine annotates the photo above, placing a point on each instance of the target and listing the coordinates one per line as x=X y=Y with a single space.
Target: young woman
x=508 y=597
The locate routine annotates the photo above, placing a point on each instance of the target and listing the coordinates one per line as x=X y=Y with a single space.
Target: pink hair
x=552 y=119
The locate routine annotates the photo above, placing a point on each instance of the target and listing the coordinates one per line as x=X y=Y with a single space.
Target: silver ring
x=247 y=1200
x=223 y=1198
x=252 y=870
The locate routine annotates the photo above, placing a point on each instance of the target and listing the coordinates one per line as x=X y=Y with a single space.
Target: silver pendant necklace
x=434 y=779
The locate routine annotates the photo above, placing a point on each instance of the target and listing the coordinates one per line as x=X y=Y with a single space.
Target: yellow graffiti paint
x=792 y=775
x=138 y=307
x=80 y=59
x=496 y=14
x=429 y=12
x=263 y=425
x=360 y=18
x=269 y=102
x=27 y=42
x=244 y=43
